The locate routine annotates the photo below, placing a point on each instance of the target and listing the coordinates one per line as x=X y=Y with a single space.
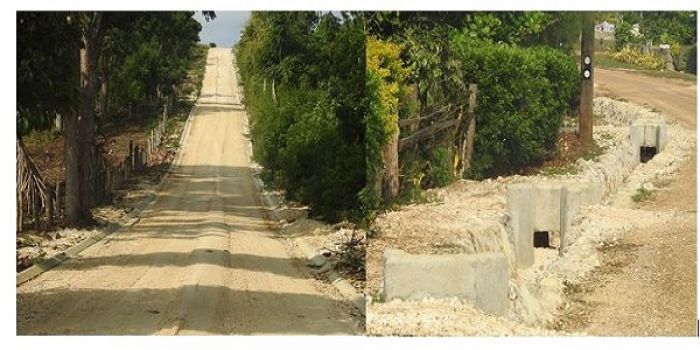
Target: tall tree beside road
x=65 y=58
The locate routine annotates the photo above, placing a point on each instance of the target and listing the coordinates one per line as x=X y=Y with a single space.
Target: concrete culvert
x=540 y=239
x=646 y=153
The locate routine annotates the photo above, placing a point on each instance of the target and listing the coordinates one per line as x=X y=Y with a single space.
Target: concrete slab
x=409 y=276
x=546 y=203
x=648 y=133
x=519 y=202
x=482 y=279
x=591 y=192
x=662 y=137
x=571 y=205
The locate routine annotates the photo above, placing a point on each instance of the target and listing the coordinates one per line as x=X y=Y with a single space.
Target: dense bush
x=523 y=93
x=305 y=101
x=384 y=83
x=692 y=60
x=646 y=60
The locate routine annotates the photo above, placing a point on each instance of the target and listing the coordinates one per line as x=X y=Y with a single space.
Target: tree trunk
x=80 y=152
x=390 y=155
x=74 y=208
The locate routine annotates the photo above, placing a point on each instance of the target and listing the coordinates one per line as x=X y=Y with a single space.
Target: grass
x=568 y=169
x=603 y=60
x=378 y=297
x=642 y=195
x=40 y=137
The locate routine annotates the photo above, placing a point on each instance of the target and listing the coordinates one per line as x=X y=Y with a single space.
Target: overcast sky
x=225 y=30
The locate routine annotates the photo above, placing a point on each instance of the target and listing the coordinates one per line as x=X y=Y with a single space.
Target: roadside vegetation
x=419 y=63
x=134 y=65
x=301 y=74
x=638 y=38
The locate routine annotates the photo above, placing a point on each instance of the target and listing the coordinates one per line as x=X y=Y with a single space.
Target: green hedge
x=692 y=61
x=522 y=95
x=309 y=137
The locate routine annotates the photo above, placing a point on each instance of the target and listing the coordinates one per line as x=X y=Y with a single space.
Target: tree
x=64 y=59
x=47 y=70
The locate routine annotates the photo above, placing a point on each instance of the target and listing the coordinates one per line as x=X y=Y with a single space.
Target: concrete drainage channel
x=537 y=215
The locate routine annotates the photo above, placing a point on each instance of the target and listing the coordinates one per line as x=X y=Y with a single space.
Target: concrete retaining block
x=545 y=207
x=519 y=202
x=546 y=204
x=571 y=204
x=648 y=133
x=482 y=279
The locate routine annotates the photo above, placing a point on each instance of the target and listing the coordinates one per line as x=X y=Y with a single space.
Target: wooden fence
x=444 y=118
x=41 y=204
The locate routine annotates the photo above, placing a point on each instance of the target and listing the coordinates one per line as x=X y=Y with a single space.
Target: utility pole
x=585 y=125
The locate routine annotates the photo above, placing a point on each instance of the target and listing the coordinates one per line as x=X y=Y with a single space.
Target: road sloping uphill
x=201 y=260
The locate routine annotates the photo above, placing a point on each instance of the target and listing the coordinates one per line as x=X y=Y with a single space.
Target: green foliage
x=642 y=195
x=562 y=32
x=47 y=68
x=645 y=60
x=440 y=170
x=304 y=98
x=143 y=57
x=624 y=35
x=523 y=93
x=384 y=79
x=659 y=27
x=692 y=60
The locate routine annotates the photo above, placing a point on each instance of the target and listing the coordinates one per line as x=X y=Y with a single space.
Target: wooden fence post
x=468 y=142
x=390 y=173
x=57 y=199
x=132 y=157
x=49 y=207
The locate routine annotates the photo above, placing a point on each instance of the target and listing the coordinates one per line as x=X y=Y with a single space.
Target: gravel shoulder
x=646 y=282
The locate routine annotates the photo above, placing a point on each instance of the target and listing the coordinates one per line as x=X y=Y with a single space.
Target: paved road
x=676 y=98
x=201 y=260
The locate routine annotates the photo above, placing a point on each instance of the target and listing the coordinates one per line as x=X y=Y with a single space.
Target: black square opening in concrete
x=646 y=153
x=540 y=239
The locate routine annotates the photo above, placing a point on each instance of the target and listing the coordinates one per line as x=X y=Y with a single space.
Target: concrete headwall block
x=479 y=278
x=570 y=204
x=546 y=206
x=409 y=276
x=661 y=137
x=492 y=276
x=637 y=136
x=519 y=199
x=591 y=193
x=648 y=133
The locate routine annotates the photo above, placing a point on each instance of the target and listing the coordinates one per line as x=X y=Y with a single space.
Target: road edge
x=338 y=282
x=129 y=220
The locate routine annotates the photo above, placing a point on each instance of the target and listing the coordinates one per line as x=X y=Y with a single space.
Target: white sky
x=225 y=30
